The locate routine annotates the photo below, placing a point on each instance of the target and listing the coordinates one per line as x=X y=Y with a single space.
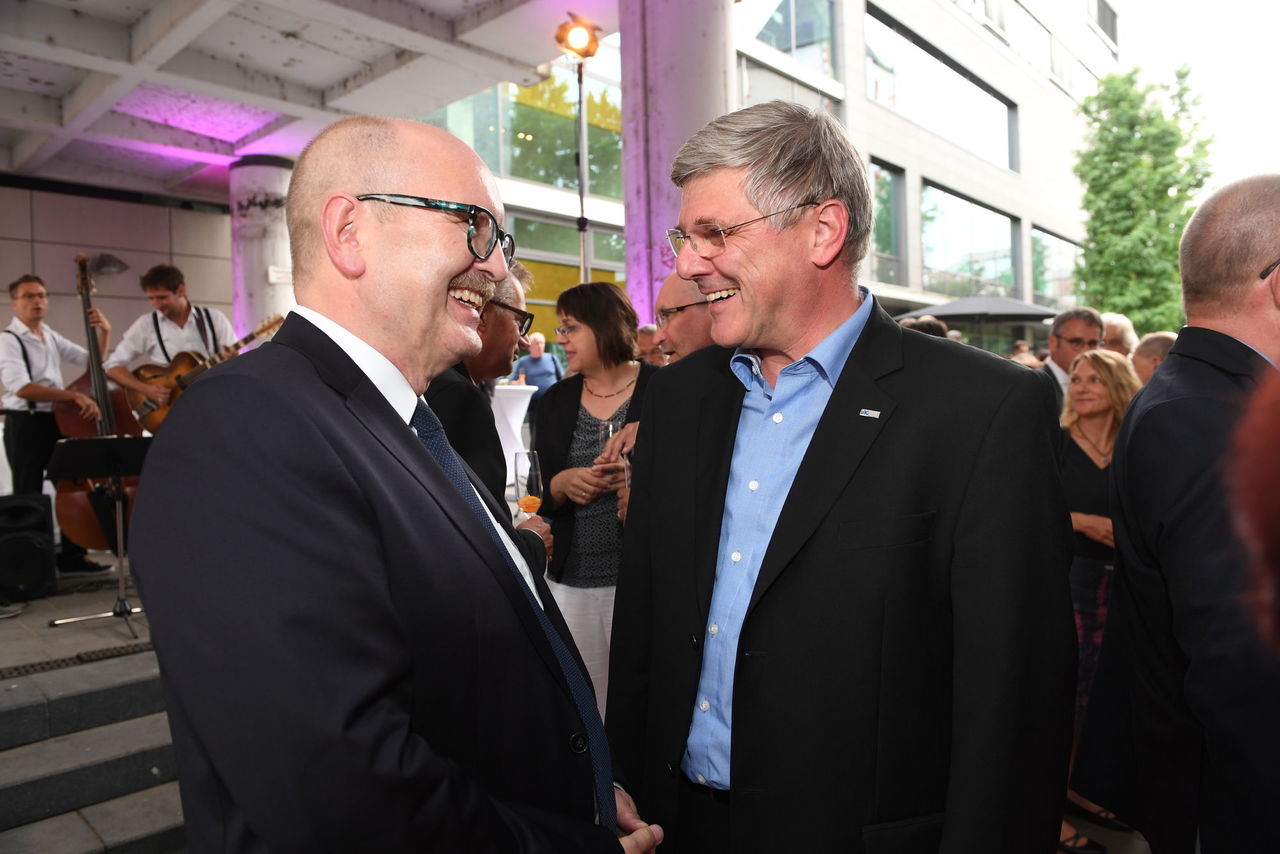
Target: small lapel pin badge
x=869 y=413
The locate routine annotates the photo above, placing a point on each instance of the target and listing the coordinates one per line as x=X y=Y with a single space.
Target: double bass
x=84 y=507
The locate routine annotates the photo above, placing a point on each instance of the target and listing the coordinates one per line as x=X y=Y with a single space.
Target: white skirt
x=588 y=611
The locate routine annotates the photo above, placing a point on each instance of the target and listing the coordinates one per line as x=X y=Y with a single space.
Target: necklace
x=630 y=382
x=1106 y=455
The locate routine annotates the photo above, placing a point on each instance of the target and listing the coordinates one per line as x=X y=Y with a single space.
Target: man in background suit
x=833 y=631
x=1197 y=694
x=354 y=651
x=1074 y=331
x=456 y=397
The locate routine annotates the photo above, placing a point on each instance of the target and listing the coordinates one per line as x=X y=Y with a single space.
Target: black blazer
x=1198 y=713
x=467 y=415
x=557 y=415
x=905 y=674
x=348 y=663
x=1058 y=395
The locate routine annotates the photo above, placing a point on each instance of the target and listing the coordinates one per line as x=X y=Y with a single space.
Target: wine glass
x=528 y=482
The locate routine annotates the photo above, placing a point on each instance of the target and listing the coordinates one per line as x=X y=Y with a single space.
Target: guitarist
x=174 y=326
x=31 y=357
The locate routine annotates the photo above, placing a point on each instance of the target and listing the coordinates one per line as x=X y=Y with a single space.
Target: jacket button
x=693 y=639
x=671 y=769
x=578 y=742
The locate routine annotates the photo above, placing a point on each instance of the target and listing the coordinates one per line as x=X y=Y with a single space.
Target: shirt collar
x=828 y=357
x=1063 y=378
x=23 y=330
x=377 y=367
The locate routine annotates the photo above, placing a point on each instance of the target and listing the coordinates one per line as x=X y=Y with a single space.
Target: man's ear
x=341 y=223
x=831 y=223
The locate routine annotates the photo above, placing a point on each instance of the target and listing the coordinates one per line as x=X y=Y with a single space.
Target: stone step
x=68 y=772
x=146 y=822
x=41 y=705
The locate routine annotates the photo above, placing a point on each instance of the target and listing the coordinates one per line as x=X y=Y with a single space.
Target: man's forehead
x=708 y=197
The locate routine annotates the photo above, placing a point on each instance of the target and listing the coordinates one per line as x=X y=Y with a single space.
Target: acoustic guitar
x=185 y=369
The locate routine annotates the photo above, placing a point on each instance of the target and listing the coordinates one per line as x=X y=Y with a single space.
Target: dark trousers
x=702 y=824
x=29 y=439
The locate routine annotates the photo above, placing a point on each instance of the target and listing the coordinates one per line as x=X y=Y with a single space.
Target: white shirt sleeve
x=13 y=371
x=226 y=332
x=135 y=344
x=68 y=351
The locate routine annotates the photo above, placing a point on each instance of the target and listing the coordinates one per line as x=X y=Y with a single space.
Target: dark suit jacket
x=1058 y=395
x=1198 y=712
x=349 y=664
x=557 y=415
x=905 y=674
x=467 y=415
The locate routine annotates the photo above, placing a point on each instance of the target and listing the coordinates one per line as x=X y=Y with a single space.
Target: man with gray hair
x=1150 y=352
x=1192 y=694
x=1074 y=331
x=647 y=347
x=456 y=397
x=833 y=631
x=1118 y=333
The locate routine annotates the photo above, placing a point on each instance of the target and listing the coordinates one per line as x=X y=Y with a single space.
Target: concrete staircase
x=86 y=764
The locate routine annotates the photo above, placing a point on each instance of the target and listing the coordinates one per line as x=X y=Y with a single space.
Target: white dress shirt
x=46 y=358
x=139 y=345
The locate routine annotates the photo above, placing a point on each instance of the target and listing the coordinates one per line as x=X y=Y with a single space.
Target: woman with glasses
x=1101 y=384
x=575 y=418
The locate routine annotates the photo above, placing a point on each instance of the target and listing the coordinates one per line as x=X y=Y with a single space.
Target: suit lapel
x=842 y=438
x=368 y=406
x=717 y=428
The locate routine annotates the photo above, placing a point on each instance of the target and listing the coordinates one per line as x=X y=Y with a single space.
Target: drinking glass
x=528 y=482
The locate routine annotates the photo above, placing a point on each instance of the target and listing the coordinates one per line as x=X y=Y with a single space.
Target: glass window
x=533 y=234
x=1106 y=18
x=886 y=238
x=760 y=83
x=968 y=249
x=531 y=132
x=911 y=80
x=477 y=122
x=804 y=29
x=608 y=246
x=1053 y=267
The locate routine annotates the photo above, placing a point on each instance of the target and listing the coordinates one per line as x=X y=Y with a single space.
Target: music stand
x=112 y=457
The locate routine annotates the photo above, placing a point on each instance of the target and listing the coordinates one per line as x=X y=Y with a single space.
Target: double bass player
x=31 y=357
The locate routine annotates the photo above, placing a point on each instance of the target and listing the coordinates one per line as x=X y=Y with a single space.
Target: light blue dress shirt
x=774 y=429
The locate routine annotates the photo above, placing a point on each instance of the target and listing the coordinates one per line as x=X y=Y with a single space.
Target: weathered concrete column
x=678 y=73
x=261 y=271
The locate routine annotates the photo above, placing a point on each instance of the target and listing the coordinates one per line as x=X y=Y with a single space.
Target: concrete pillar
x=678 y=73
x=261 y=271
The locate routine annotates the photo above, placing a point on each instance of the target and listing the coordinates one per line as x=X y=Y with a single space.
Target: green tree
x=1143 y=162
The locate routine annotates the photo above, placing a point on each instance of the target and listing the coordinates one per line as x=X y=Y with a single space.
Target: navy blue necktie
x=431 y=434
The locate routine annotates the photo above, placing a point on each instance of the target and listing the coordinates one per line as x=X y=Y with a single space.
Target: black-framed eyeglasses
x=483 y=231
x=524 y=320
x=1271 y=268
x=665 y=314
x=709 y=242
x=1081 y=343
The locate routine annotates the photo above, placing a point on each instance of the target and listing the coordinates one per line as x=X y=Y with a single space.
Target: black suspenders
x=26 y=360
x=203 y=321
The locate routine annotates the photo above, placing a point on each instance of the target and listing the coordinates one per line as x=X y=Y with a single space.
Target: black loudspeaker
x=27 y=562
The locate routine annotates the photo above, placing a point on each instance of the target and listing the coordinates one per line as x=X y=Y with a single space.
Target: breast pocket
x=874 y=533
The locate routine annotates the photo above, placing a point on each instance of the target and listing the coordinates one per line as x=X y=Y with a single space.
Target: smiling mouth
x=722 y=295
x=468 y=297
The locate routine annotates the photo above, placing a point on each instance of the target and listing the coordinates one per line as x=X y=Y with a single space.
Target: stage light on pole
x=578 y=38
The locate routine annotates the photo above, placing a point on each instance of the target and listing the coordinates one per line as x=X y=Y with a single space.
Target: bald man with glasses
x=684 y=322
x=359 y=653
